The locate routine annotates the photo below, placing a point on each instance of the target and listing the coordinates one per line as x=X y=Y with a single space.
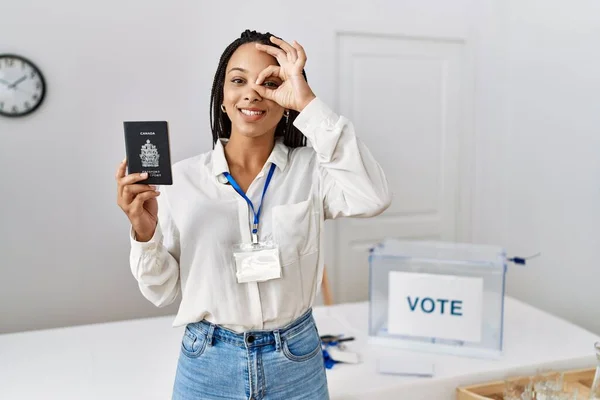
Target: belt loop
x=277 y=340
x=209 y=335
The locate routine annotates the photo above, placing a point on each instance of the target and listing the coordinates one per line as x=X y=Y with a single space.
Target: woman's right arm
x=155 y=249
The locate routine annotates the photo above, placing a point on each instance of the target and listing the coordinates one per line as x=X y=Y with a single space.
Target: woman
x=239 y=234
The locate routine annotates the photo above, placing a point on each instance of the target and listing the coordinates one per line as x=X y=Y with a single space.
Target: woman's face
x=250 y=114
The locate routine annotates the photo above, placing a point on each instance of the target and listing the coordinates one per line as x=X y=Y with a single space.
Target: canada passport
x=147 y=148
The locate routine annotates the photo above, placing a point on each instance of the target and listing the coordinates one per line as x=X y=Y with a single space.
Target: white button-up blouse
x=201 y=217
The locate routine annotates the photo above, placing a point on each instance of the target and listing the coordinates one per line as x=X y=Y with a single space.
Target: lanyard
x=241 y=193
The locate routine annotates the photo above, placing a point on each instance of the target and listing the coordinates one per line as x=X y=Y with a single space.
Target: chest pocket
x=295 y=230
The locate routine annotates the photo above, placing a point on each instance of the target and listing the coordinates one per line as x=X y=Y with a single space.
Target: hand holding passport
x=148 y=163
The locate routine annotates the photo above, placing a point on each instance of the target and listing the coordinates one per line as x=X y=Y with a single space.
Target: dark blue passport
x=147 y=149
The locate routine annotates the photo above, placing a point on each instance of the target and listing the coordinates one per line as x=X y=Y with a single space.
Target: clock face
x=22 y=86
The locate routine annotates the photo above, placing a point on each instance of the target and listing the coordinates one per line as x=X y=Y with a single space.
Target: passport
x=147 y=149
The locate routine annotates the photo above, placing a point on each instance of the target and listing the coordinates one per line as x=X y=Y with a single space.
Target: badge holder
x=256 y=262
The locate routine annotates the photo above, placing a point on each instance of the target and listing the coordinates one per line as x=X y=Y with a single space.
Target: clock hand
x=14 y=85
x=18 y=89
x=6 y=82
x=24 y=91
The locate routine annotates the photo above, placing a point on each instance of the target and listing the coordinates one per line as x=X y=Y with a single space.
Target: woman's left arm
x=353 y=183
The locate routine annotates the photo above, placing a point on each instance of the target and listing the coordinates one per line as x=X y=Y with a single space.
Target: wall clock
x=22 y=86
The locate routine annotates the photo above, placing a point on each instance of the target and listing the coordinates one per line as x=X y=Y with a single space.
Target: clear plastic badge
x=256 y=262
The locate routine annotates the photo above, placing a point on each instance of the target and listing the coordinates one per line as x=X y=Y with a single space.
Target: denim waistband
x=254 y=338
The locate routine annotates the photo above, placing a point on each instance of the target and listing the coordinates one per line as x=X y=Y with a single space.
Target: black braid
x=220 y=124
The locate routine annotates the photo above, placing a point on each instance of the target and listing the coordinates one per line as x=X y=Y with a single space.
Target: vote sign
x=435 y=306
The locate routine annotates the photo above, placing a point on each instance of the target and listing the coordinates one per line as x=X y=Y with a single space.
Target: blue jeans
x=284 y=364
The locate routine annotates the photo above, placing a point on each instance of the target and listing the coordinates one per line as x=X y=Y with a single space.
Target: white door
x=409 y=98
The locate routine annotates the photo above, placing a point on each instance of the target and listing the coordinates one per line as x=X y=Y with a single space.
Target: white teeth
x=248 y=112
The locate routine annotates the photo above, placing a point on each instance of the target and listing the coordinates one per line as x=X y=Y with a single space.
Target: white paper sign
x=439 y=306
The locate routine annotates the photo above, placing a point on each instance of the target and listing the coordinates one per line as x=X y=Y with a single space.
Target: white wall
x=538 y=169
x=63 y=244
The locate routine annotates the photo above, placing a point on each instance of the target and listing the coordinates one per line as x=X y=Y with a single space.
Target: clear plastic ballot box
x=436 y=296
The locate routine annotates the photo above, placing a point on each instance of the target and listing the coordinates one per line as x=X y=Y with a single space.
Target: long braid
x=220 y=124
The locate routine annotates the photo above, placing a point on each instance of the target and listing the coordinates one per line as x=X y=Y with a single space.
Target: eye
x=271 y=84
x=237 y=80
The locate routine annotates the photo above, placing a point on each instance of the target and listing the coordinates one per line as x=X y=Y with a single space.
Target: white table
x=137 y=359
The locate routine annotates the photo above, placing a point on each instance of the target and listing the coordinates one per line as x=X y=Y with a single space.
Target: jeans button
x=250 y=339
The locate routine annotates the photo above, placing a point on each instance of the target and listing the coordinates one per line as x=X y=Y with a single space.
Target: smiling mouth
x=251 y=116
x=251 y=112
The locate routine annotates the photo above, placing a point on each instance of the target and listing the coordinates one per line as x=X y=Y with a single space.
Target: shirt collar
x=279 y=156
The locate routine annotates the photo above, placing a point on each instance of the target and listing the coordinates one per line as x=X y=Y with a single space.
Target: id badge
x=256 y=262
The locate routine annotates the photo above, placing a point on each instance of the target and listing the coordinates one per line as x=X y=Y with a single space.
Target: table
x=136 y=359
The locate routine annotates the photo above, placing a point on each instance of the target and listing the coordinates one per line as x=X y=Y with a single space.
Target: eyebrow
x=237 y=69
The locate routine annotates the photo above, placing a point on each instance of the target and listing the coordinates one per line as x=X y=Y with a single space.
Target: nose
x=252 y=95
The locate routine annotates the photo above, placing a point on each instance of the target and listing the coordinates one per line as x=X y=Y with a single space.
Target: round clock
x=22 y=86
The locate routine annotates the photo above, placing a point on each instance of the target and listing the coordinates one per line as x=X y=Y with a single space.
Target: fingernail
x=125 y=159
x=153 y=187
x=144 y=174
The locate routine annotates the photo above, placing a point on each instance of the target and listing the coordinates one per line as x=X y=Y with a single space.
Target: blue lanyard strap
x=241 y=193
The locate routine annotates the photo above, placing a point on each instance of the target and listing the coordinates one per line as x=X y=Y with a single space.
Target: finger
x=290 y=51
x=121 y=172
x=264 y=92
x=130 y=179
x=133 y=178
x=121 y=169
x=301 y=53
x=271 y=70
x=137 y=206
x=129 y=192
x=279 y=54
x=135 y=189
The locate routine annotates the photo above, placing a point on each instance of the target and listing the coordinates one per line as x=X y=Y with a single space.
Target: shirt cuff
x=152 y=244
x=321 y=126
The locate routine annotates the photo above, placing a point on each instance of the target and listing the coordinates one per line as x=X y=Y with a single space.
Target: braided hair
x=220 y=124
